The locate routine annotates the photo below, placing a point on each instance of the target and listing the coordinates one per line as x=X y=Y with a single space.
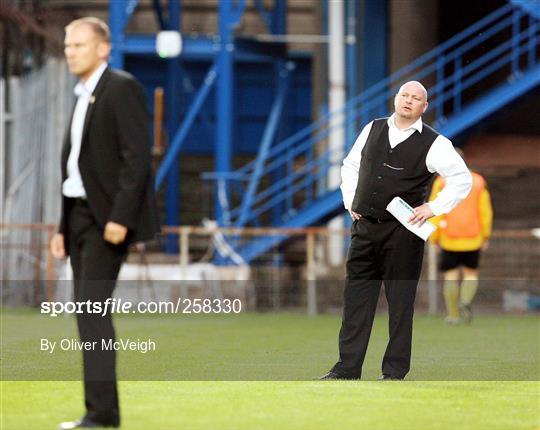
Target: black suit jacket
x=115 y=158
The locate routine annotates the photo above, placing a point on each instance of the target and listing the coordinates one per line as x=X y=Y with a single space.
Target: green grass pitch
x=253 y=371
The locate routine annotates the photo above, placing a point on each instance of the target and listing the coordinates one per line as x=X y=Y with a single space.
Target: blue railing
x=496 y=50
x=531 y=6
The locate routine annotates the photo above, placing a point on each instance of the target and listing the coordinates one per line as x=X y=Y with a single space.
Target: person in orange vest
x=461 y=235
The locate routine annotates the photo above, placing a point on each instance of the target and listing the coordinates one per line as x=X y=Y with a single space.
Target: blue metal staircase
x=530 y=6
x=469 y=77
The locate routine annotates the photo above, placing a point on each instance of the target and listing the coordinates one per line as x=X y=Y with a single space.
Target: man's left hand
x=115 y=233
x=421 y=214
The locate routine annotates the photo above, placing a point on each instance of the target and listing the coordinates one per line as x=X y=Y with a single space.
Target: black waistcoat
x=387 y=172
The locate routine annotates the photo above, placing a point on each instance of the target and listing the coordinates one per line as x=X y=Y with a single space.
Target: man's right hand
x=354 y=215
x=57 y=247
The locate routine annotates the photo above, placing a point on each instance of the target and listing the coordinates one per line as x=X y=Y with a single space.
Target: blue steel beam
x=265 y=15
x=237 y=12
x=224 y=105
x=190 y=92
x=266 y=142
x=159 y=14
x=351 y=76
x=531 y=57
x=278 y=25
x=131 y=5
x=516 y=18
x=200 y=48
x=179 y=138
x=138 y=44
x=120 y=11
x=351 y=12
x=172 y=93
x=228 y=17
x=116 y=17
x=279 y=17
x=530 y=6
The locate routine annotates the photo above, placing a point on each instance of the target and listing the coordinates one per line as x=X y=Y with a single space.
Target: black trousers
x=379 y=252
x=95 y=264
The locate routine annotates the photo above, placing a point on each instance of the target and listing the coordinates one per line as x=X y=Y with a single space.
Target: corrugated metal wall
x=34 y=113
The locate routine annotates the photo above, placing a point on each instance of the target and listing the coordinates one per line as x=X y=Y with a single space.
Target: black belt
x=374 y=220
x=80 y=201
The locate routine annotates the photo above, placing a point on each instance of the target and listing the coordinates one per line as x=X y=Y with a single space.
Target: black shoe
x=466 y=313
x=336 y=376
x=389 y=378
x=83 y=423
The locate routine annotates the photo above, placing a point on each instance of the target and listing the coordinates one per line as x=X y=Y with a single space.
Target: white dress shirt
x=73 y=185
x=441 y=158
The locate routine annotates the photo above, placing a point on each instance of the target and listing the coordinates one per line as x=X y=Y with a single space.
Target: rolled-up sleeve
x=443 y=159
x=351 y=166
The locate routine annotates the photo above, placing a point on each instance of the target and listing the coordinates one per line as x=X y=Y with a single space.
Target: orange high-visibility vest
x=464 y=219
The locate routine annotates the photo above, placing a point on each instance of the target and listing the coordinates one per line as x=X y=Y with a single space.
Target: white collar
x=90 y=85
x=417 y=125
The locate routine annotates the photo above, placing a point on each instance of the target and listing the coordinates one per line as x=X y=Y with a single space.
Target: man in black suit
x=107 y=199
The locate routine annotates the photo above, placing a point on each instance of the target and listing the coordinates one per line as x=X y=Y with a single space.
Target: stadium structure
x=254 y=116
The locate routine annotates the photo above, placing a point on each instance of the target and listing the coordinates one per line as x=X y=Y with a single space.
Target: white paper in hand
x=402 y=211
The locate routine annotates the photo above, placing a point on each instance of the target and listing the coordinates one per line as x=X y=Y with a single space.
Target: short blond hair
x=98 y=26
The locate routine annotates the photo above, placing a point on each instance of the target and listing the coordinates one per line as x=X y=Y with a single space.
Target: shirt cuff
x=435 y=208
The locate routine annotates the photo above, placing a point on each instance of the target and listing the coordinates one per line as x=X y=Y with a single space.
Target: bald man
x=395 y=156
